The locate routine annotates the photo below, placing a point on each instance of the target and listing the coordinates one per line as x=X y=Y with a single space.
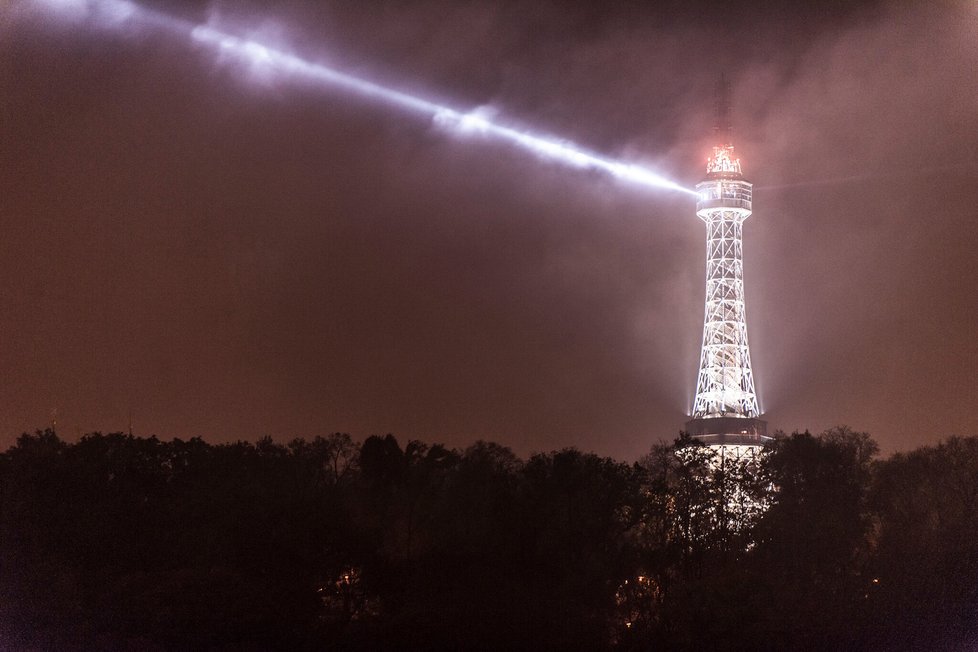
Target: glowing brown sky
x=231 y=257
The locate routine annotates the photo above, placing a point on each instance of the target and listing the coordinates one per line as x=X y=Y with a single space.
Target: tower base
x=729 y=431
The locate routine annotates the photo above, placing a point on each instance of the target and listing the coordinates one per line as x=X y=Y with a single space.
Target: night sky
x=229 y=254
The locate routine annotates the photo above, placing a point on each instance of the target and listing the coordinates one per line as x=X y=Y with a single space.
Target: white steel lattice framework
x=725 y=409
x=725 y=384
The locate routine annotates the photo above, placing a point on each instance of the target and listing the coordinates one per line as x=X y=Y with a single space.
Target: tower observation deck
x=725 y=409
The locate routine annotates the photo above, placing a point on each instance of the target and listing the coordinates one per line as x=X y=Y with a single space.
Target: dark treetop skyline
x=231 y=256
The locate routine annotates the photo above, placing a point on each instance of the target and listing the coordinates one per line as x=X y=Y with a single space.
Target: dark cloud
x=229 y=255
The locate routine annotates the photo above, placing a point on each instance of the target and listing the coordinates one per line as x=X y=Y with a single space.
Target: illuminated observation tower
x=725 y=410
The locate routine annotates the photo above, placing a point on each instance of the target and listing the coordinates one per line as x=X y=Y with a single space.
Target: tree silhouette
x=120 y=542
x=925 y=584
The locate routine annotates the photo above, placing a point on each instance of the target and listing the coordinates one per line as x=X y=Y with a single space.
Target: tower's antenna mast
x=721 y=112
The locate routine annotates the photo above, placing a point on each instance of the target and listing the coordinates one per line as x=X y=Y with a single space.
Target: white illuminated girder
x=725 y=383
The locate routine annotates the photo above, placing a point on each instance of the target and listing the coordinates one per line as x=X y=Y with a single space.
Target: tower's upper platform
x=724 y=187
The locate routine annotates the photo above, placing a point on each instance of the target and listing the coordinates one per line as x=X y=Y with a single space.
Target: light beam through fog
x=121 y=14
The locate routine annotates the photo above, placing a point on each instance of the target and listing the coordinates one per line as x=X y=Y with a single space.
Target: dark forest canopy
x=121 y=542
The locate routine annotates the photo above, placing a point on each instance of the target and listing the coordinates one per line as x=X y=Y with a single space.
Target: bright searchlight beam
x=122 y=14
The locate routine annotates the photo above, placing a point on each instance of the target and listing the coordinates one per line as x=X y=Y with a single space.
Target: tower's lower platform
x=729 y=431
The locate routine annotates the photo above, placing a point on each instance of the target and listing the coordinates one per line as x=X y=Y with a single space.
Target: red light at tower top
x=723 y=162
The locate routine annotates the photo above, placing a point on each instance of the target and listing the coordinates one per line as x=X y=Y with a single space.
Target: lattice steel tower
x=725 y=410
